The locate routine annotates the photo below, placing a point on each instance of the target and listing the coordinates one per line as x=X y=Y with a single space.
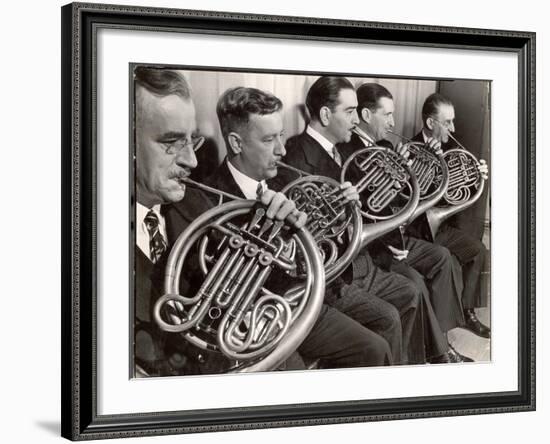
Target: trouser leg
x=434 y=340
x=373 y=313
x=442 y=279
x=472 y=254
x=388 y=304
x=340 y=342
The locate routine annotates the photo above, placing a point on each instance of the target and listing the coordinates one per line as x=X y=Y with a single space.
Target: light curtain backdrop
x=207 y=86
x=470 y=97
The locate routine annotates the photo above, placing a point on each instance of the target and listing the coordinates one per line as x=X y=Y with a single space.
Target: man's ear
x=324 y=115
x=430 y=123
x=366 y=115
x=235 y=143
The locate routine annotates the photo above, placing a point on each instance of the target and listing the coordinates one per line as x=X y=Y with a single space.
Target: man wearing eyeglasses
x=438 y=116
x=165 y=144
x=429 y=266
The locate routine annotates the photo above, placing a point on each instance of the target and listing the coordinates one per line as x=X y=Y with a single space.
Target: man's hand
x=483 y=169
x=402 y=150
x=434 y=146
x=280 y=207
x=350 y=193
x=398 y=254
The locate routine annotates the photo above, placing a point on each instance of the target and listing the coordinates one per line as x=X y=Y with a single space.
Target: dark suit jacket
x=355 y=143
x=305 y=153
x=223 y=180
x=157 y=352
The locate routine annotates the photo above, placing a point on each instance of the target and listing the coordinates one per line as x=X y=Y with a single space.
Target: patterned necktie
x=336 y=156
x=157 y=244
x=260 y=189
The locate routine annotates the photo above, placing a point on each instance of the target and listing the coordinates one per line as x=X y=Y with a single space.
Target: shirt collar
x=322 y=140
x=247 y=185
x=142 y=210
x=424 y=136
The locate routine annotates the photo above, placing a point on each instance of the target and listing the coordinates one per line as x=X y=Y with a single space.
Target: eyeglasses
x=177 y=147
x=447 y=124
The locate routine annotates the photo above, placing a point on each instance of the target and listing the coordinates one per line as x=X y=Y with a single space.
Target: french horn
x=241 y=307
x=466 y=185
x=332 y=220
x=431 y=172
x=381 y=176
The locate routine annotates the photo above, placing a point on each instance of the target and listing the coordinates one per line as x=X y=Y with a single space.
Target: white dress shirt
x=247 y=185
x=142 y=234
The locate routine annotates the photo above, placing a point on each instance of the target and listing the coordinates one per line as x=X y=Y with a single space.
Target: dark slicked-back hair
x=368 y=95
x=162 y=82
x=432 y=104
x=325 y=92
x=237 y=104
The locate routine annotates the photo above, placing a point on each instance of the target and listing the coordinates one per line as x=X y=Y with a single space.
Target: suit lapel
x=224 y=180
x=179 y=215
x=418 y=137
x=145 y=289
x=318 y=159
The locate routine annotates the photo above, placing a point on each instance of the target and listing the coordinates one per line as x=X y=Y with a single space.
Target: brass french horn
x=240 y=308
x=331 y=219
x=431 y=172
x=466 y=185
x=381 y=176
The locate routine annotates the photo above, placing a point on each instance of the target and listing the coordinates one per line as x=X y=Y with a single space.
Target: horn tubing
x=291 y=218
x=426 y=204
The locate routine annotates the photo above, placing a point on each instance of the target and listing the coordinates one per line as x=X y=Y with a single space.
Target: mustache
x=182 y=174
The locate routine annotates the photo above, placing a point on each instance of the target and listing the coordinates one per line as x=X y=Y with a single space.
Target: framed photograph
x=203 y=156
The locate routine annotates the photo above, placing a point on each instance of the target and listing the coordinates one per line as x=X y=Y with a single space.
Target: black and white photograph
x=274 y=222
x=306 y=221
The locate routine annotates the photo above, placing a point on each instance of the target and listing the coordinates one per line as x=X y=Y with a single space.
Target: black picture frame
x=79 y=209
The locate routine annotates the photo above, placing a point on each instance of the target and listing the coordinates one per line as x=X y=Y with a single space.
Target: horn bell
x=235 y=304
x=388 y=187
x=466 y=185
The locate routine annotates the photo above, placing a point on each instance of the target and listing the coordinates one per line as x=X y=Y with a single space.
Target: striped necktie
x=336 y=156
x=157 y=243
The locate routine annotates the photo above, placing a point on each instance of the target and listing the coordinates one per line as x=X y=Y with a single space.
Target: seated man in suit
x=438 y=122
x=425 y=263
x=165 y=144
x=252 y=126
x=366 y=292
x=165 y=152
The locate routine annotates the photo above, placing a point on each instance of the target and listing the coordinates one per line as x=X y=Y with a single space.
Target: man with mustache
x=428 y=265
x=387 y=303
x=251 y=121
x=165 y=145
x=438 y=116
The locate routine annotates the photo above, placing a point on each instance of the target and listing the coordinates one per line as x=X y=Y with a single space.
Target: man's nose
x=452 y=127
x=391 y=122
x=355 y=118
x=280 y=149
x=187 y=158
